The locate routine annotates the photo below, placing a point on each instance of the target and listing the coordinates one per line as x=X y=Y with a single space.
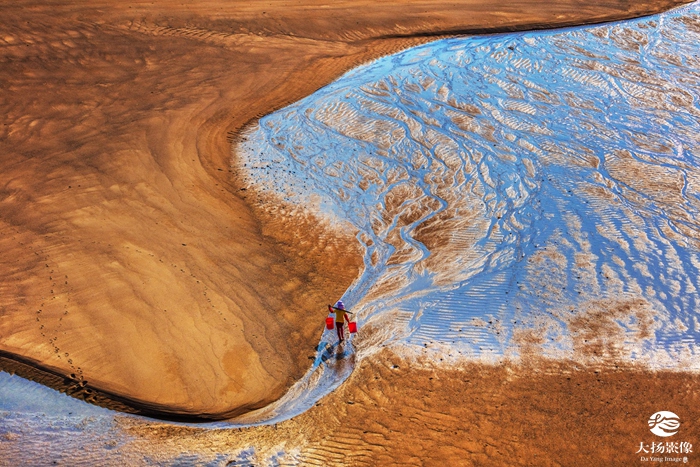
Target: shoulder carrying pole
x=331 y=307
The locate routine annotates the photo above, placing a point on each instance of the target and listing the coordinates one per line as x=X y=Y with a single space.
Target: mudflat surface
x=397 y=411
x=132 y=262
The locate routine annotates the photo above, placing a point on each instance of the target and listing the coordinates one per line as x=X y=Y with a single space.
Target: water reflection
x=515 y=193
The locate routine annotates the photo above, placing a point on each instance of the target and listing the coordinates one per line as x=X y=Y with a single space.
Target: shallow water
x=514 y=193
x=513 y=190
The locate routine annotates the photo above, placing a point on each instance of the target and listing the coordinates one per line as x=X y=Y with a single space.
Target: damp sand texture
x=132 y=264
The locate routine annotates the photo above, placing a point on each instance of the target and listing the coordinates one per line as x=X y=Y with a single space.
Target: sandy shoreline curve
x=398 y=411
x=132 y=262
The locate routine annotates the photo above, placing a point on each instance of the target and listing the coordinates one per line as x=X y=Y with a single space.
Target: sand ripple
x=515 y=194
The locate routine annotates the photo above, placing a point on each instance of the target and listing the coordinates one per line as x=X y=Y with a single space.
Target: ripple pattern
x=533 y=192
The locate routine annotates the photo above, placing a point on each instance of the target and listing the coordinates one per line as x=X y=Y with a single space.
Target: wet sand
x=393 y=411
x=133 y=264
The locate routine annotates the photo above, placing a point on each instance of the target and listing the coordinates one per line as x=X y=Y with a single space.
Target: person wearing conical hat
x=341 y=316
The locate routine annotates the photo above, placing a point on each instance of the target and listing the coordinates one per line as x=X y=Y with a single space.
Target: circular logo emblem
x=664 y=423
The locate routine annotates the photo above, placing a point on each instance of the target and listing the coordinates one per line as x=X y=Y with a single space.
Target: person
x=340 y=319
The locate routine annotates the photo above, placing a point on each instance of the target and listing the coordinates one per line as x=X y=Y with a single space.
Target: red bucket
x=353 y=327
x=329 y=322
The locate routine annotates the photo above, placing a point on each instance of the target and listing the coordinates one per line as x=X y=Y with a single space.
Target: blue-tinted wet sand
x=509 y=189
x=513 y=189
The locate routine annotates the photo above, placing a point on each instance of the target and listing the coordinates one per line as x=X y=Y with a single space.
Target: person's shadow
x=336 y=350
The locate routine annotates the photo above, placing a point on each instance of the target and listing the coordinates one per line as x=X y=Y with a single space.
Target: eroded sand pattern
x=519 y=193
x=517 y=196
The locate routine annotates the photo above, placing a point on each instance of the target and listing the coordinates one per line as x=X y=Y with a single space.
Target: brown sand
x=391 y=413
x=130 y=261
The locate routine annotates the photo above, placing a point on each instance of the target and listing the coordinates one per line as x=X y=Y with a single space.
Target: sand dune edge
x=131 y=259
